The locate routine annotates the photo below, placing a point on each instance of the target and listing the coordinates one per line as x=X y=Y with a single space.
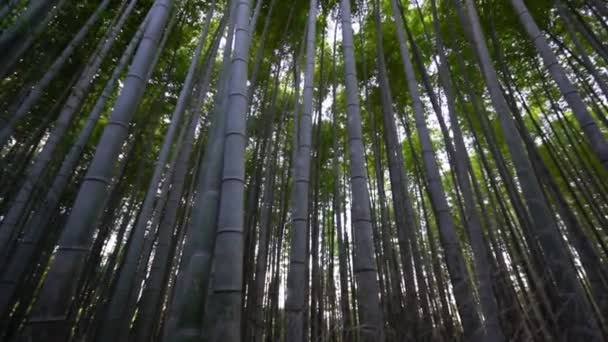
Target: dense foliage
x=249 y=170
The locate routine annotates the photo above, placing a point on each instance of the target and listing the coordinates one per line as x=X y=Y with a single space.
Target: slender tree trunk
x=72 y=104
x=588 y=125
x=228 y=254
x=404 y=214
x=38 y=89
x=336 y=199
x=124 y=296
x=295 y=302
x=35 y=231
x=29 y=24
x=264 y=238
x=574 y=314
x=370 y=314
x=483 y=258
x=49 y=318
x=146 y=326
x=453 y=255
x=190 y=291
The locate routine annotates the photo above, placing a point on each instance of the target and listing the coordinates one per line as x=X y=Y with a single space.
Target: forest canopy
x=311 y=170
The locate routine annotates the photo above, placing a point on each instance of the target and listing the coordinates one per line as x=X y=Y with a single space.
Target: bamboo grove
x=312 y=170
